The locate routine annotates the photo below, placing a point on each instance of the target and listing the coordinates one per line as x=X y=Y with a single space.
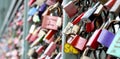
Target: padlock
x=34 y=35
x=103 y=1
x=40 y=50
x=58 y=56
x=32 y=53
x=98 y=10
x=90 y=26
x=116 y=7
x=109 y=4
x=92 y=43
x=84 y=56
x=50 y=2
x=31 y=2
x=110 y=57
x=32 y=28
x=88 y=16
x=39 y=39
x=36 y=18
x=38 y=3
x=49 y=36
x=32 y=11
x=106 y=37
x=70 y=5
x=42 y=9
x=72 y=28
x=50 y=22
x=50 y=49
x=114 y=48
x=78 y=42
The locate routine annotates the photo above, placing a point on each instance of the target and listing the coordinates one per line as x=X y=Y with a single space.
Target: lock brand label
x=70 y=49
x=114 y=48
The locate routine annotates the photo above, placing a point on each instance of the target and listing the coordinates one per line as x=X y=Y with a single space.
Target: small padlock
x=38 y=3
x=39 y=39
x=78 y=42
x=32 y=28
x=32 y=11
x=92 y=43
x=49 y=36
x=58 y=56
x=90 y=26
x=106 y=37
x=88 y=16
x=98 y=10
x=36 y=18
x=70 y=5
x=109 y=4
x=84 y=56
x=72 y=28
x=50 y=2
x=116 y=7
x=50 y=22
x=34 y=35
x=31 y=2
x=32 y=53
x=50 y=49
x=114 y=48
x=40 y=50
x=42 y=9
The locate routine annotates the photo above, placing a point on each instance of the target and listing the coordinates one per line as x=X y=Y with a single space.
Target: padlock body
x=114 y=48
x=68 y=10
x=92 y=43
x=106 y=38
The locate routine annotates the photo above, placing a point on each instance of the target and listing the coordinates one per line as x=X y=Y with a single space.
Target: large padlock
x=68 y=6
x=114 y=48
x=106 y=37
x=84 y=56
x=88 y=16
x=78 y=42
x=109 y=4
x=116 y=7
x=49 y=36
x=50 y=22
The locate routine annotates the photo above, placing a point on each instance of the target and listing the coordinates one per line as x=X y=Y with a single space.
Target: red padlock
x=50 y=49
x=34 y=35
x=31 y=2
x=39 y=50
x=109 y=4
x=90 y=26
x=49 y=36
x=68 y=8
x=92 y=43
x=78 y=42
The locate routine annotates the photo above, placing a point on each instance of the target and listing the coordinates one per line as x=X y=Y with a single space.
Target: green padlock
x=114 y=48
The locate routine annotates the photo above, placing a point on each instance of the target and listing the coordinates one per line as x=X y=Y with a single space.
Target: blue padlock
x=32 y=11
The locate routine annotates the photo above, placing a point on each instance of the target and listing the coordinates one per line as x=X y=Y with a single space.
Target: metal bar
x=7 y=16
x=25 y=46
x=65 y=21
